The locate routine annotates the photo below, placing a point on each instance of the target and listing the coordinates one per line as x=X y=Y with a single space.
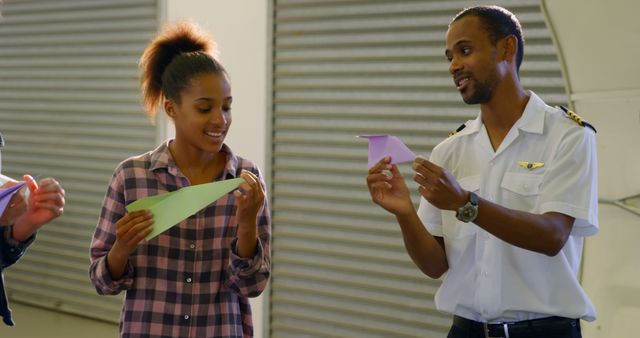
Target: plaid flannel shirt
x=188 y=281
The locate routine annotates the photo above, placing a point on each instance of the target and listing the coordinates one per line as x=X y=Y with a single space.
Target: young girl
x=194 y=279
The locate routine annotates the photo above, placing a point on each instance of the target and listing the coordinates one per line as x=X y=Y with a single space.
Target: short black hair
x=499 y=23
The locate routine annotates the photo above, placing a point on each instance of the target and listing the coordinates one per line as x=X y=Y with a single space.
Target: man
x=506 y=201
x=21 y=219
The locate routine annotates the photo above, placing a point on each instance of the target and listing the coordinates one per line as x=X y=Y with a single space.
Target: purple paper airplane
x=387 y=145
x=7 y=193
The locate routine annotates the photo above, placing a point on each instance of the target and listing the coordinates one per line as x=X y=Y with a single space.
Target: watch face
x=468 y=213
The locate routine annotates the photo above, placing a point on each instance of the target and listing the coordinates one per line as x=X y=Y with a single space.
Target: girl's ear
x=169 y=108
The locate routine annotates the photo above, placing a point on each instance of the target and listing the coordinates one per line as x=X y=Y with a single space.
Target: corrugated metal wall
x=341 y=69
x=69 y=109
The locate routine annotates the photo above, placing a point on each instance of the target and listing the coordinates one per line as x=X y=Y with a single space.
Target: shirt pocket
x=521 y=191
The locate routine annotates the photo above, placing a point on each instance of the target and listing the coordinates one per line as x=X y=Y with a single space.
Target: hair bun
x=174 y=40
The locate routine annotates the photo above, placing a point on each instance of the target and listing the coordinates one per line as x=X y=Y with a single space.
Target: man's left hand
x=438 y=186
x=46 y=202
x=16 y=205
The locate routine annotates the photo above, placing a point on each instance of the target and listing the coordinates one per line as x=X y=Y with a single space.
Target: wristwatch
x=468 y=212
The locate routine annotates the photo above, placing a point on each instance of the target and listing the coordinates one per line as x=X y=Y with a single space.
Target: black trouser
x=550 y=327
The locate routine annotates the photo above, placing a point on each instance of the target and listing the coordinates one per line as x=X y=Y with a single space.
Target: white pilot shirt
x=490 y=280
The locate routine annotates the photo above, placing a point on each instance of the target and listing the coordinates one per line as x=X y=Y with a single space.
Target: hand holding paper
x=45 y=202
x=8 y=196
x=249 y=200
x=387 y=145
x=388 y=188
x=386 y=185
x=171 y=208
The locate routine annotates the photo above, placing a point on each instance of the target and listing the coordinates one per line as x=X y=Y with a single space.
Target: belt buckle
x=505 y=328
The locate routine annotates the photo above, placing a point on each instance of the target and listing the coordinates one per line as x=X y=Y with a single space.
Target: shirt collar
x=531 y=121
x=472 y=126
x=161 y=158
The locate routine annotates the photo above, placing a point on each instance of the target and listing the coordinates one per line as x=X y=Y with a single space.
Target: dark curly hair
x=174 y=57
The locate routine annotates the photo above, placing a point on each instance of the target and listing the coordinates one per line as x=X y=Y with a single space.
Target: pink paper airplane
x=387 y=145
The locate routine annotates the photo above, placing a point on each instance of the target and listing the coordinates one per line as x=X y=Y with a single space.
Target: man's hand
x=16 y=206
x=388 y=188
x=45 y=203
x=438 y=186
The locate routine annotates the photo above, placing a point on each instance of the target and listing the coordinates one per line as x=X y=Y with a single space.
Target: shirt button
x=186 y=316
x=192 y=246
x=189 y=280
x=485 y=274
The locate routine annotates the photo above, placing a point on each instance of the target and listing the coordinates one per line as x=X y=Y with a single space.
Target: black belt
x=523 y=328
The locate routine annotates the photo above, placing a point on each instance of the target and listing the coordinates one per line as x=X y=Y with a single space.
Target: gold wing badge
x=531 y=165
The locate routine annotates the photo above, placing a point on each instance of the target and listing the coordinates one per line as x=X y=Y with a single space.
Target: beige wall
x=240 y=29
x=599 y=46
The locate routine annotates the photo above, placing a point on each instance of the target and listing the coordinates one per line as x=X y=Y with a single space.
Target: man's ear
x=169 y=108
x=509 y=48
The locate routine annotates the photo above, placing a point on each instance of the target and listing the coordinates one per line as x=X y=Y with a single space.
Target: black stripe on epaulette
x=457 y=130
x=579 y=120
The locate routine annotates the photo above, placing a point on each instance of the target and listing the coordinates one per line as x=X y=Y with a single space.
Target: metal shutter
x=70 y=109
x=341 y=69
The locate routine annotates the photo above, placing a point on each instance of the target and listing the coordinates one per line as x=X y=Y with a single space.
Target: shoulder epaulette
x=579 y=120
x=457 y=130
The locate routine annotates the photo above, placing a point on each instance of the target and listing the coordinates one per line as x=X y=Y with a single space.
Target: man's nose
x=454 y=66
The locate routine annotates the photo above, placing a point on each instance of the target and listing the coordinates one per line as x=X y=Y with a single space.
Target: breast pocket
x=520 y=191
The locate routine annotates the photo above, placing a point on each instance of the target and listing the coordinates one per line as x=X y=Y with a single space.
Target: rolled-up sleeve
x=113 y=208
x=249 y=276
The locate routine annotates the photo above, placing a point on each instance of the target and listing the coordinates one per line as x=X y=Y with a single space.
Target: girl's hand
x=130 y=231
x=250 y=198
